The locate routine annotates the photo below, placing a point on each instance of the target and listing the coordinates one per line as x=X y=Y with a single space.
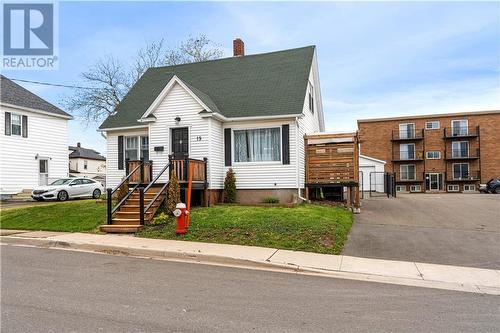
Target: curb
x=133 y=252
x=244 y=263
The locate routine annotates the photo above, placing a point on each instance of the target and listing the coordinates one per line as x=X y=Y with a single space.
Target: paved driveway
x=451 y=229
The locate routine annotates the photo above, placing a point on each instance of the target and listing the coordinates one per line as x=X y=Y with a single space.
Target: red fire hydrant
x=182 y=218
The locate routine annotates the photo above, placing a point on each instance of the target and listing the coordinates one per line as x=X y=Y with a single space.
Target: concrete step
x=123 y=228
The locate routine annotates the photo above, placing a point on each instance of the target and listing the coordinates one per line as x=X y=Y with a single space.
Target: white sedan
x=68 y=188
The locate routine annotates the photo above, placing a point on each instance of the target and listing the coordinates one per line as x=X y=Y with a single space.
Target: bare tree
x=109 y=80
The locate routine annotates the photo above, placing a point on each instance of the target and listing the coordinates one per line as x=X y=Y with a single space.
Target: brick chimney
x=78 y=145
x=238 y=48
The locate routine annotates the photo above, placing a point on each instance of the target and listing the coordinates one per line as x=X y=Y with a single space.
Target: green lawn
x=314 y=228
x=73 y=216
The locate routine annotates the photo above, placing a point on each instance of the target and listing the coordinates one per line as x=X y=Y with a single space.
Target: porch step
x=132 y=215
x=122 y=228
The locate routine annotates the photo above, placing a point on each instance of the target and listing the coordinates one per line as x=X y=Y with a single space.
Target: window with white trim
x=461 y=171
x=257 y=145
x=407 y=131
x=432 y=125
x=415 y=188
x=433 y=155
x=400 y=188
x=469 y=188
x=311 y=97
x=460 y=149
x=16 y=124
x=453 y=188
x=460 y=127
x=85 y=164
x=134 y=150
x=407 y=151
x=408 y=172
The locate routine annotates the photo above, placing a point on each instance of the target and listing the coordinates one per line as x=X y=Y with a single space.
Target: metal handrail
x=151 y=203
x=157 y=177
x=124 y=199
x=127 y=177
x=109 y=193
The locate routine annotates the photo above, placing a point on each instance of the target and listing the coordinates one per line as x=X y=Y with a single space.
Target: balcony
x=407 y=156
x=462 y=154
x=460 y=132
x=407 y=135
x=409 y=177
x=463 y=176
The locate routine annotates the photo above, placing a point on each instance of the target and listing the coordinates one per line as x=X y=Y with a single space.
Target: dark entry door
x=180 y=142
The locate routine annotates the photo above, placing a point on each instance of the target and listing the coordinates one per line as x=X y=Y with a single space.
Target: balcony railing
x=401 y=135
x=462 y=154
x=410 y=177
x=407 y=156
x=463 y=176
x=461 y=132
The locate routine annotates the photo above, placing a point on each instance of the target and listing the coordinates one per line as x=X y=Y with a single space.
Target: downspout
x=297 y=154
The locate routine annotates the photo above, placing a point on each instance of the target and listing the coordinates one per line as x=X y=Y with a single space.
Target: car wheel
x=62 y=196
x=497 y=190
x=96 y=194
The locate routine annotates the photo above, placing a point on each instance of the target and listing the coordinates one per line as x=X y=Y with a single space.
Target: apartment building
x=452 y=152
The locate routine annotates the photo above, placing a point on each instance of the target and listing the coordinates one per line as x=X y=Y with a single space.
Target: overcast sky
x=375 y=59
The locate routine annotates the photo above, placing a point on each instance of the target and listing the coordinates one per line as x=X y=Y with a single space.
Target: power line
x=52 y=84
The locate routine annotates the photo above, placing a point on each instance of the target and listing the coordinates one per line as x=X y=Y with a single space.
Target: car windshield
x=61 y=181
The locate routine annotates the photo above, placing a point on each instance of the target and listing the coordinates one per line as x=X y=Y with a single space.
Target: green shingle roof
x=254 y=85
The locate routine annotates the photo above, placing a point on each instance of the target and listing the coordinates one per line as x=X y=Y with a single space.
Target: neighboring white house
x=33 y=144
x=247 y=112
x=371 y=174
x=85 y=162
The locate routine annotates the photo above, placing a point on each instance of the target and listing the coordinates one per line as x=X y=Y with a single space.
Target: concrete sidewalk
x=467 y=279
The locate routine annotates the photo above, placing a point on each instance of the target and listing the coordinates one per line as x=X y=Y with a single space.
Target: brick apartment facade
x=442 y=152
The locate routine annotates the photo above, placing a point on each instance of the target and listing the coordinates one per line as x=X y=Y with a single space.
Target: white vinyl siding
x=19 y=159
x=216 y=155
x=178 y=103
x=266 y=175
x=308 y=124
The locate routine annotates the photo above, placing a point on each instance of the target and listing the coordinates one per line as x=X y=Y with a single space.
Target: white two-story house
x=86 y=162
x=33 y=143
x=246 y=112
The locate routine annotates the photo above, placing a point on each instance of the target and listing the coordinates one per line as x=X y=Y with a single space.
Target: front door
x=43 y=172
x=434 y=181
x=180 y=143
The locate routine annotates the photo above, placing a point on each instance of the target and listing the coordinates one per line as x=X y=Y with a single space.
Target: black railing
x=462 y=154
x=461 y=131
x=109 y=192
x=414 y=134
x=463 y=175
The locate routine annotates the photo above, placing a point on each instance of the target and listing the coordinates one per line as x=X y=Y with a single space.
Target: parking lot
x=451 y=229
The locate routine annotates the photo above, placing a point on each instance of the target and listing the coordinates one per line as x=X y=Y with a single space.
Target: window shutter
x=25 y=126
x=7 y=123
x=285 y=143
x=120 y=152
x=227 y=147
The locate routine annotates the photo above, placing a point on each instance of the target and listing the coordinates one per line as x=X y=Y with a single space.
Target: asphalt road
x=449 y=229
x=46 y=290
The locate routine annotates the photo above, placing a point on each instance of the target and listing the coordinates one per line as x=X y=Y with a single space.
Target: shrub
x=160 y=218
x=121 y=192
x=173 y=193
x=230 y=187
x=271 y=200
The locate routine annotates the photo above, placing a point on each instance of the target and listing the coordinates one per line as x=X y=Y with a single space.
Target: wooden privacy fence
x=333 y=160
